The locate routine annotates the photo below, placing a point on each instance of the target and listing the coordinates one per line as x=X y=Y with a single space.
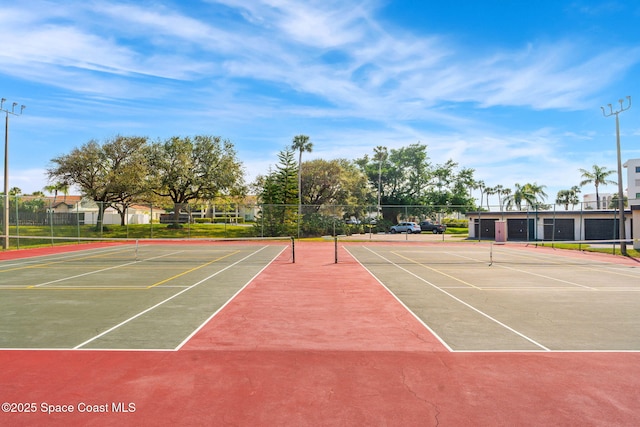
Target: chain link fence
x=74 y=216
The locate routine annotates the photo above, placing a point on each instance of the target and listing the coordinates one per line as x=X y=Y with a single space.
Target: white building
x=633 y=193
x=590 y=201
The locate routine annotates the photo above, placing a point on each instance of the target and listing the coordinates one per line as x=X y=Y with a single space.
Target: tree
x=110 y=174
x=334 y=182
x=278 y=194
x=598 y=176
x=538 y=193
x=127 y=162
x=489 y=191
x=568 y=197
x=410 y=185
x=463 y=187
x=521 y=193
x=480 y=185
x=448 y=188
x=186 y=169
x=499 y=190
x=403 y=177
x=301 y=144
x=57 y=187
x=506 y=192
x=614 y=202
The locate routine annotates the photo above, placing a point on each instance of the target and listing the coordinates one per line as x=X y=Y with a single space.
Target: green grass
x=457 y=230
x=609 y=249
x=162 y=231
x=144 y=231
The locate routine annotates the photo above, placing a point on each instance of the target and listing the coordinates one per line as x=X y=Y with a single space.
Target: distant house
x=63 y=204
x=74 y=209
x=590 y=201
x=136 y=214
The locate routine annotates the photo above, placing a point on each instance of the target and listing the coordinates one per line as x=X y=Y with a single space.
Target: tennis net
x=193 y=248
x=472 y=252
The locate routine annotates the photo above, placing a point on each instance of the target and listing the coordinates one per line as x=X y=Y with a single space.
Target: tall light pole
x=623 y=243
x=5 y=244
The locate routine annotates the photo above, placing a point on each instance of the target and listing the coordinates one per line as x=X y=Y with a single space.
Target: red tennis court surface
x=317 y=343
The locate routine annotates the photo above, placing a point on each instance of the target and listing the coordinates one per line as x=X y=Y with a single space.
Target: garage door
x=487 y=229
x=559 y=229
x=517 y=229
x=601 y=229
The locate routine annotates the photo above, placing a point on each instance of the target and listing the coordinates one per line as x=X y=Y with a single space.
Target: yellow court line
x=46 y=264
x=437 y=271
x=88 y=288
x=189 y=271
x=548 y=260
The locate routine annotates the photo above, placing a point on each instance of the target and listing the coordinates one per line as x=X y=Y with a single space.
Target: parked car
x=405 y=227
x=433 y=227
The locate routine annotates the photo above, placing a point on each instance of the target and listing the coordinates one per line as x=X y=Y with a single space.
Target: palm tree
x=57 y=187
x=598 y=176
x=489 y=191
x=503 y=192
x=500 y=191
x=537 y=191
x=568 y=197
x=480 y=185
x=301 y=144
x=521 y=193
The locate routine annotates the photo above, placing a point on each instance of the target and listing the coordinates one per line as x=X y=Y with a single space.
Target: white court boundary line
x=400 y=301
x=192 y=334
x=102 y=269
x=54 y=258
x=124 y=322
x=532 y=341
x=530 y=273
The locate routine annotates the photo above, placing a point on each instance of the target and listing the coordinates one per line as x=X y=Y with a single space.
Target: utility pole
x=622 y=234
x=5 y=244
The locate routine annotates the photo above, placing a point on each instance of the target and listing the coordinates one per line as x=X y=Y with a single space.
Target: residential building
x=633 y=194
x=590 y=201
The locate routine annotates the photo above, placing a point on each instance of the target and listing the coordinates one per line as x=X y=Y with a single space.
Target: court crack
x=421 y=399
x=407 y=327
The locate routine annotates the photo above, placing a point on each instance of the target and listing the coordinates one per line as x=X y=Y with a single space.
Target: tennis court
x=133 y=295
x=486 y=297
x=351 y=333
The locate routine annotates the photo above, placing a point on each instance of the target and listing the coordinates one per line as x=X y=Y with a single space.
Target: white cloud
x=326 y=68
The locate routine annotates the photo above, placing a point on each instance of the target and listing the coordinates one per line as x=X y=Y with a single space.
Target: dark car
x=433 y=227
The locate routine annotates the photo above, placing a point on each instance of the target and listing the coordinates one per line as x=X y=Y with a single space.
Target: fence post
x=17 y=225
x=78 y=219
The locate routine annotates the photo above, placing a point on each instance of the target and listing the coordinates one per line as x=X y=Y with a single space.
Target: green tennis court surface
x=519 y=298
x=155 y=296
x=122 y=296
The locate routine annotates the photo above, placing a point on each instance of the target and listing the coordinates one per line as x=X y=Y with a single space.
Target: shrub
x=455 y=223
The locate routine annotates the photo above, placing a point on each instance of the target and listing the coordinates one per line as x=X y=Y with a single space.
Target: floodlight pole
x=5 y=243
x=622 y=234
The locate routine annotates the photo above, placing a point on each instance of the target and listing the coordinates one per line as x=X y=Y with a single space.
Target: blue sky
x=512 y=89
